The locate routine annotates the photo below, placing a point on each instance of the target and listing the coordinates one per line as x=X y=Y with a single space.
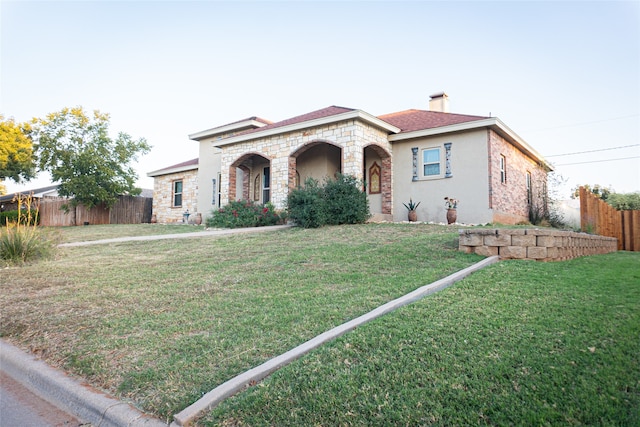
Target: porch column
x=231 y=189
x=385 y=185
x=293 y=166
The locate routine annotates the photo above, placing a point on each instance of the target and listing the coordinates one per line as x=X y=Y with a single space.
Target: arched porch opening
x=377 y=173
x=250 y=178
x=316 y=159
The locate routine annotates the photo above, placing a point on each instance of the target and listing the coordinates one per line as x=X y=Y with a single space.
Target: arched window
x=374 y=178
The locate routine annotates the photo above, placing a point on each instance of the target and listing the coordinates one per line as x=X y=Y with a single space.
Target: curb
x=77 y=398
x=240 y=382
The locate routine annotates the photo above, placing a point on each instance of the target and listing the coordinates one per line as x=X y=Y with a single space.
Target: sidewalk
x=220 y=232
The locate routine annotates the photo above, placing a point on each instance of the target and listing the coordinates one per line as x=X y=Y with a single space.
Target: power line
x=599 y=161
x=594 y=151
x=584 y=123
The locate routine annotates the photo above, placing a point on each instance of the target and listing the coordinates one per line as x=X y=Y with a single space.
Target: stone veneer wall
x=163 y=196
x=535 y=244
x=351 y=135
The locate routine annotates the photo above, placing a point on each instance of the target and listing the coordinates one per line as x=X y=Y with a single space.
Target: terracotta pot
x=452 y=216
x=198 y=219
x=413 y=216
x=154 y=219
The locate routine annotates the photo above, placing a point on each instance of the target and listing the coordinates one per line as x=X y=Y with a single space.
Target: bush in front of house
x=305 y=205
x=244 y=213
x=339 y=201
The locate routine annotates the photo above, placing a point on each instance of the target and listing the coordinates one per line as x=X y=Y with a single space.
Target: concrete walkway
x=80 y=399
x=206 y=233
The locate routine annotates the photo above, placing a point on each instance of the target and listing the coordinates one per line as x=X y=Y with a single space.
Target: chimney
x=439 y=102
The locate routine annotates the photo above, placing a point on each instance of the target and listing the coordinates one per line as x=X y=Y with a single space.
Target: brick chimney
x=439 y=102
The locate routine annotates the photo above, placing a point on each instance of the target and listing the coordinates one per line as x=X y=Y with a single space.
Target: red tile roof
x=192 y=162
x=318 y=114
x=414 y=120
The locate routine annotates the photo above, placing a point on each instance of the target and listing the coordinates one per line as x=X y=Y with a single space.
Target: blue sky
x=565 y=76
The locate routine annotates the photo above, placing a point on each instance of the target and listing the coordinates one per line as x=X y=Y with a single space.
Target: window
x=266 y=185
x=177 y=194
x=219 y=188
x=431 y=162
x=503 y=169
x=374 y=179
x=528 y=183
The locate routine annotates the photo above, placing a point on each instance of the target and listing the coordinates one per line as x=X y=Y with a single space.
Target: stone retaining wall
x=536 y=244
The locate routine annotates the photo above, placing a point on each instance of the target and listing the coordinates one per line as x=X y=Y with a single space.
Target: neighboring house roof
x=180 y=167
x=51 y=190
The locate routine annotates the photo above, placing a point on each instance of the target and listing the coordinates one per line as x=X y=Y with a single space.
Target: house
x=9 y=202
x=424 y=155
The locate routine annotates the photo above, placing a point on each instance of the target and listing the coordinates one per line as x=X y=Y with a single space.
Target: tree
x=625 y=201
x=597 y=190
x=16 y=151
x=91 y=167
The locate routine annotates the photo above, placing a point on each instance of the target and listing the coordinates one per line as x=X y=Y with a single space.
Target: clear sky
x=565 y=76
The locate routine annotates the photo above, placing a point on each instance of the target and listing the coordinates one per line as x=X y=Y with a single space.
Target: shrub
x=20 y=239
x=244 y=213
x=344 y=202
x=340 y=201
x=26 y=218
x=305 y=205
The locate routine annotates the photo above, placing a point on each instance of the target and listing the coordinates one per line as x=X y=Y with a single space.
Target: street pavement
x=19 y=407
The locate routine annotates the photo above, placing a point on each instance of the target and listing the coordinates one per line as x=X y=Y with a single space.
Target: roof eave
x=492 y=122
x=169 y=171
x=349 y=115
x=243 y=125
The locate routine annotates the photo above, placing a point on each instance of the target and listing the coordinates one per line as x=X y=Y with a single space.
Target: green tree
x=625 y=201
x=598 y=190
x=91 y=167
x=16 y=151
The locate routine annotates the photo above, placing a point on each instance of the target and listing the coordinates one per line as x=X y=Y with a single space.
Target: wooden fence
x=599 y=217
x=127 y=210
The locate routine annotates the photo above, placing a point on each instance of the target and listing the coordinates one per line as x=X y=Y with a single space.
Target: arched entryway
x=250 y=178
x=377 y=173
x=317 y=160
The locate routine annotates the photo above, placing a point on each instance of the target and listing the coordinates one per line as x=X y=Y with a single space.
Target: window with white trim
x=177 y=194
x=431 y=159
x=528 y=183
x=503 y=169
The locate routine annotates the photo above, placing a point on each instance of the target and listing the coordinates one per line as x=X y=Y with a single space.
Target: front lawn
x=518 y=343
x=160 y=323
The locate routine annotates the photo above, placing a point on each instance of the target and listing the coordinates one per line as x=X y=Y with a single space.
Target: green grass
x=160 y=323
x=518 y=343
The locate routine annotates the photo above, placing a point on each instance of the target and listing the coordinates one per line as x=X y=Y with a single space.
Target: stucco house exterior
x=423 y=155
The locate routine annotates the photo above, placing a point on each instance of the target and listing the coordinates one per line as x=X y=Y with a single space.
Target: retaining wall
x=535 y=244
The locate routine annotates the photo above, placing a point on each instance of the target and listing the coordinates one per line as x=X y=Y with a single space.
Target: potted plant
x=451 y=205
x=411 y=207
